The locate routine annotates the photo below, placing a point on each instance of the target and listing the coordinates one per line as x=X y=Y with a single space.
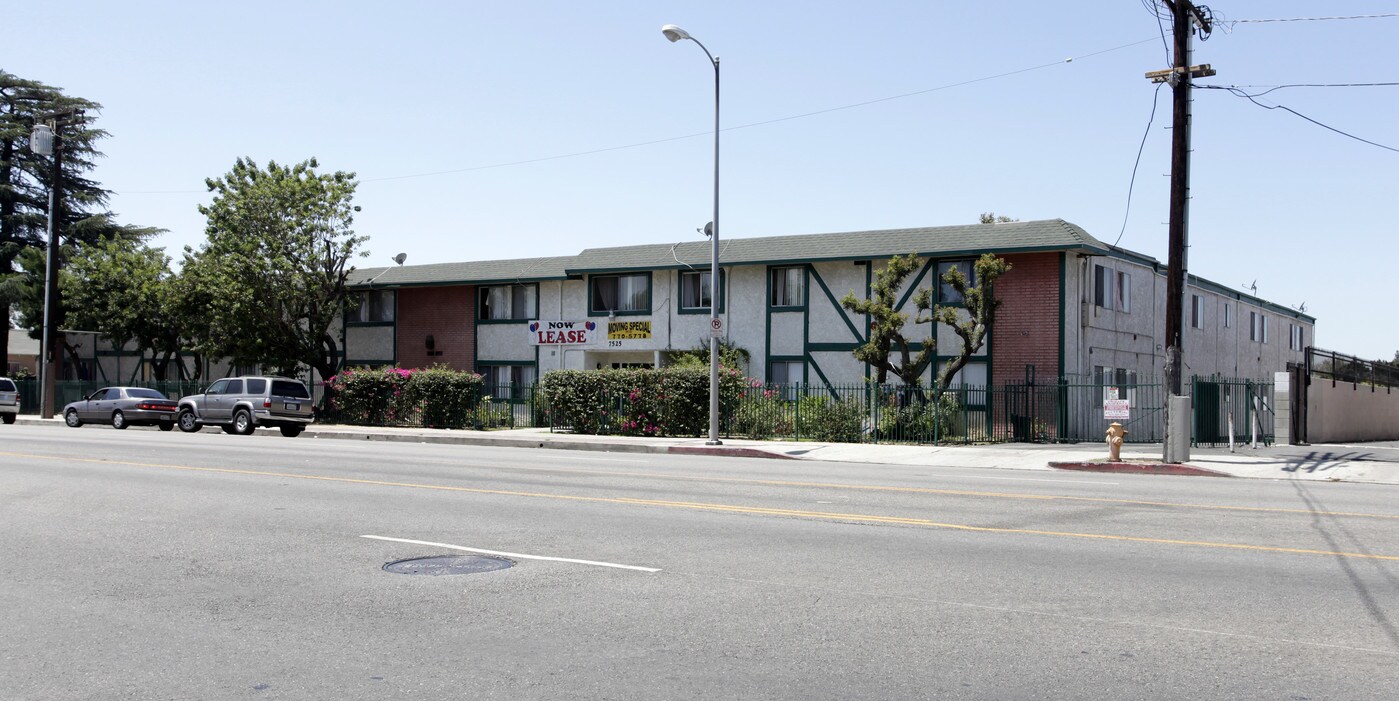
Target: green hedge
x=667 y=402
x=435 y=397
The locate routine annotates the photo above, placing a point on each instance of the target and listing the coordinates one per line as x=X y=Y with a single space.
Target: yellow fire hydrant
x=1115 y=436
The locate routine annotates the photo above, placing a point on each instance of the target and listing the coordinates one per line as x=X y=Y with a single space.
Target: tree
x=887 y=323
x=993 y=218
x=25 y=180
x=971 y=322
x=125 y=290
x=274 y=267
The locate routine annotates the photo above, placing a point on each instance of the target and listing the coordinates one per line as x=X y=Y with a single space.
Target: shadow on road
x=1333 y=531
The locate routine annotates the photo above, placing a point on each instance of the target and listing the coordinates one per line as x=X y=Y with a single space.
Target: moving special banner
x=628 y=330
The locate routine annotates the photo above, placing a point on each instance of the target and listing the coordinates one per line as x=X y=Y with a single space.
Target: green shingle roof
x=937 y=241
x=467 y=273
x=1046 y=235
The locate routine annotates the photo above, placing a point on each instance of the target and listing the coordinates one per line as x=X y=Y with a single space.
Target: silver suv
x=241 y=404
x=9 y=400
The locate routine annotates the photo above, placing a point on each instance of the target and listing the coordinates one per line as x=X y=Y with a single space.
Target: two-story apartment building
x=1072 y=305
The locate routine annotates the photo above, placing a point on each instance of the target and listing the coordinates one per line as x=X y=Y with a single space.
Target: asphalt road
x=138 y=564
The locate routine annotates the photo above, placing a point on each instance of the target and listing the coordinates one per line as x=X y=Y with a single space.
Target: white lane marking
x=518 y=555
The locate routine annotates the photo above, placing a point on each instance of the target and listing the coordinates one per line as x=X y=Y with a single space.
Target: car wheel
x=7 y=418
x=243 y=423
x=118 y=420
x=70 y=417
x=291 y=431
x=187 y=422
x=166 y=426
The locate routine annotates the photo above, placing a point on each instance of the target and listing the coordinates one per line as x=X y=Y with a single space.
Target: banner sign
x=562 y=333
x=628 y=330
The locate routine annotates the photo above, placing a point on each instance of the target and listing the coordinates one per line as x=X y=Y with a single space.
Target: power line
x=1310 y=19
x=1250 y=98
x=639 y=144
x=1271 y=88
x=1133 y=182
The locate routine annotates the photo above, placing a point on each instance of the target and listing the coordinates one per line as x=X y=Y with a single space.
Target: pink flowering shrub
x=437 y=397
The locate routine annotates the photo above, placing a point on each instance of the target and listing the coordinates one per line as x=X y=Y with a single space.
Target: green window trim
x=680 y=294
x=483 y=290
x=650 y=289
x=367 y=324
x=806 y=289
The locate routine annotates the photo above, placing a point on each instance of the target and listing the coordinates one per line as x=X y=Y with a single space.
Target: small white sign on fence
x=1117 y=409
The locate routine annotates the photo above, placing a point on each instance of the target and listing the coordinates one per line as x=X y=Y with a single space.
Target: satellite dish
x=708 y=229
x=400 y=258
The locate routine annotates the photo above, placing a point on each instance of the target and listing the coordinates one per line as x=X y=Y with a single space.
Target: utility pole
x=1184 y=15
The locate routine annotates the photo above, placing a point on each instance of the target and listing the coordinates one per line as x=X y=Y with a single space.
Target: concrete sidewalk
x=1374 y=462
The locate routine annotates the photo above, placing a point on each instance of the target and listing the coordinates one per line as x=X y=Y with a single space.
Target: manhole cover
x=448 y=564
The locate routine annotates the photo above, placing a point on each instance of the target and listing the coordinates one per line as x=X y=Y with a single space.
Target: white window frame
x=1102 y=286
x=1124 y=292
x=1197 y=312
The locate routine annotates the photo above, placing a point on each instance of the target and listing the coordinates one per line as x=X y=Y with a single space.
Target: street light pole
x=674 y=34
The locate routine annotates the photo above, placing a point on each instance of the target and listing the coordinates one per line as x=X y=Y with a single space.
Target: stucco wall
x=1345 y=412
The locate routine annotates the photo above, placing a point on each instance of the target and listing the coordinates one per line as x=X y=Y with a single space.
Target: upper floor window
x=947 y=294
x=1197 y=312
x=1294 y=337
x=1102 y=286
x=502 y=302
x=374 y=306
x=1228 y=316
x=696 y=290
x=623 y=294
x=1257 y=327
x=788 y=287
x=1124 y=292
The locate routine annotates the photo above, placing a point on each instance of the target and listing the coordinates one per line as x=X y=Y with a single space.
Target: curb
x=728 y=452
x=1155 y=468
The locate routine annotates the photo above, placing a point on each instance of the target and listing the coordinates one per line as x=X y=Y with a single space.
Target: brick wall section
x=448 y=314
x=1027 y=324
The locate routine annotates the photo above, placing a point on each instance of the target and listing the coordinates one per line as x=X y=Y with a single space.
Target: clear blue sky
x=450 y=91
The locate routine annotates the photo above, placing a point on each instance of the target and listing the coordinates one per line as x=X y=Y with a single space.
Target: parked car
x=9 y=400
x=241 y=404
x=122 y=407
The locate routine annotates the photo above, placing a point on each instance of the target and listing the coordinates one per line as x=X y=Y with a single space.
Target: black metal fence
x=1068 y=410
x=1339 y=367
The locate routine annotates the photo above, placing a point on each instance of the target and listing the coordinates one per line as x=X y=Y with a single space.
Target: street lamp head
x=41 y=140
x=674 y=33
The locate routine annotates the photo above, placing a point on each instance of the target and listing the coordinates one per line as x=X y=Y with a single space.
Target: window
x=1124 y=291
x=973 y=374
x=786 y=372
x=1102 y=287
x=947 y=294
x=507 y=381
x=7 y=386
x=1197 y=312
x=1116 y=383
x=623 y=294
x=1257 y=327
x=234 y=387
x=257 y=386
x=695 y=290
x=1228 y=316
x=1294 y=337
x=113 y=393
x=289 y=388
x=507 y=302
x=375 y=306
x=788 y=287
x=220 y=387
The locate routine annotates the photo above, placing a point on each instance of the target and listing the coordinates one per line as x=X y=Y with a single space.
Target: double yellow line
x=730 y=508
